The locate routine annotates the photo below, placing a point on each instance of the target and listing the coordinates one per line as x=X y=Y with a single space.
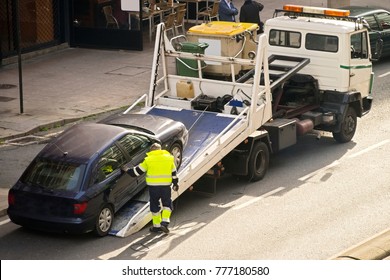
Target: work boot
x=155 y=229
x=164 y=227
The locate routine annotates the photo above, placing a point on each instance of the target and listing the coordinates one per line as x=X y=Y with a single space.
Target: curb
x=374 y=248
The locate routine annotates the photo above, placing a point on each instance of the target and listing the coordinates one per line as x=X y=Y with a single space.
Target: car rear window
x=54 y=175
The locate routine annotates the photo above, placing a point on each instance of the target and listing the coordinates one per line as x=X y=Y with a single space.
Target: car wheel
x=177 y=153
x=348 y=127
x=104 y=221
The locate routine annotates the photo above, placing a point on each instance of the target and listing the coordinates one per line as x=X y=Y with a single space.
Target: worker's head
x=155 y=146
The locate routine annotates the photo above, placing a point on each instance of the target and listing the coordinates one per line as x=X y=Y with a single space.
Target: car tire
x=104 y=221
x=177 y=151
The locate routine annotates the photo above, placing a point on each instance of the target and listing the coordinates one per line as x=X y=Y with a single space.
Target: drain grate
x=6 y=86
x=6 y=99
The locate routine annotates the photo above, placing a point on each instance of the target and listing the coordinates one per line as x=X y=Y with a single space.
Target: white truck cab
x=338 y=47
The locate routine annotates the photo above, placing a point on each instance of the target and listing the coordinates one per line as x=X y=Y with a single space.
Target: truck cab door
x=360 y=67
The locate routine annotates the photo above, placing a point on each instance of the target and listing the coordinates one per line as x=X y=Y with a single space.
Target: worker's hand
x=175 y=187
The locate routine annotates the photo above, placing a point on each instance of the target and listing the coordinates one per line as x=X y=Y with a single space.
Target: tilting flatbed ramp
x=204 y=128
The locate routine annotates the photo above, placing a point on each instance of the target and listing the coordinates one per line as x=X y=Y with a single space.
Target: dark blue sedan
x=74 y=184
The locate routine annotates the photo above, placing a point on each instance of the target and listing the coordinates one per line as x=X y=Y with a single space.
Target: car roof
x=80 y=142
x=150 y=124
x=362 y=10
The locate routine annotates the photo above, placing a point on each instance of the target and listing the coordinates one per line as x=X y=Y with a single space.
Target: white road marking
x=384 y=75
x=257 y=199
x=369 y=148
x=312 y=174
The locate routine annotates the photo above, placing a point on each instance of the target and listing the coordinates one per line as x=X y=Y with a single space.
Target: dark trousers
x=159 y=192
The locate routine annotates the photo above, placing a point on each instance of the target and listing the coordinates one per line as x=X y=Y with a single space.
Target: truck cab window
x=359 y=47
x=285 y=38
x=319 y=42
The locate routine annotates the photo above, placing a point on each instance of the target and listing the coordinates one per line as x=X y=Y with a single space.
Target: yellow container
x=185 y=89
x=221 y=38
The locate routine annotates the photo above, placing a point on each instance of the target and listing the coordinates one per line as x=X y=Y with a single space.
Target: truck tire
x=348 y=127
x=258 y=162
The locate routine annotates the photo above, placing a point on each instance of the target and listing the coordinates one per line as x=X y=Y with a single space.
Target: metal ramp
x=204 y=128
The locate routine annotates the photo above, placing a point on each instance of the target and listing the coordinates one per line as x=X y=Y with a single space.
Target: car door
x=109 y=177
x=136 y=147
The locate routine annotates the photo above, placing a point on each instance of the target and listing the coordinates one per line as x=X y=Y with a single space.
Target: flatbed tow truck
x=309 y=71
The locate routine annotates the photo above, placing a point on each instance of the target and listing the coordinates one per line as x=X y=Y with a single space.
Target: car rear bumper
x=63 y=225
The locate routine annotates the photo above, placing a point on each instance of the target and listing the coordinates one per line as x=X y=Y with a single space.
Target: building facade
x=41 y=24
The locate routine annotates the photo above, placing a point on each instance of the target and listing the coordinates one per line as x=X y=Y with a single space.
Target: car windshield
x=56 y=175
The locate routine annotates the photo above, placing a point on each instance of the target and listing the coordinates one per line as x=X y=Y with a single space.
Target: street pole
x=18 y=47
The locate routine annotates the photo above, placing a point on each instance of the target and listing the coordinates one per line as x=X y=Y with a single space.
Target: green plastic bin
x=189 y=67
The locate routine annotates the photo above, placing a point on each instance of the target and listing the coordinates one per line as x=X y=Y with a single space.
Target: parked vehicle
x=378 y=20
x=75 y=184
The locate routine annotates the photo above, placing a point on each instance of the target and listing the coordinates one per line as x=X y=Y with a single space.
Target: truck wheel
x=104 y=221
x=177 y=153
x=348 y=127
x=258 y=161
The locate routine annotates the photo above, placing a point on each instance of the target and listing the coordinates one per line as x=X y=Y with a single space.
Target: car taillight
x=79 y=208
x=11 y=199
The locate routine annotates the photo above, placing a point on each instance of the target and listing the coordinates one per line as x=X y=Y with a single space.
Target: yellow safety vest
x=158 y=165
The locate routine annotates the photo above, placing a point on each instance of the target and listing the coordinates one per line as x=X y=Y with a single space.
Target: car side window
x=111 y=160
x=135 y=144
x=372 y=22
x=384 y=20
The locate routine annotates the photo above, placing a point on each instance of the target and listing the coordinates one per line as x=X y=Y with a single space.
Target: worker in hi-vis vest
x=160 y=171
